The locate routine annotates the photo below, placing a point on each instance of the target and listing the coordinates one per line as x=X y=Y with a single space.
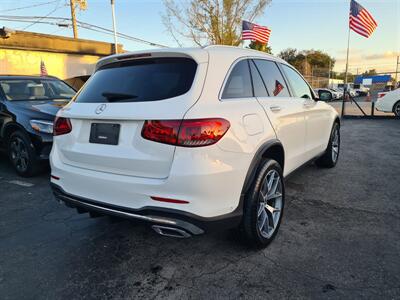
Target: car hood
x=47 y=107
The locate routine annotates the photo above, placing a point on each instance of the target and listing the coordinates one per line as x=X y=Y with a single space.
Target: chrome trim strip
x=193 y=229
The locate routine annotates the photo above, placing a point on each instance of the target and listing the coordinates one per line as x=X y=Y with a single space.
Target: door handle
x=308 y=104
x=275 y=108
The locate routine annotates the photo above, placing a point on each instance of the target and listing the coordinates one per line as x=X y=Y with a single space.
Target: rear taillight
x=61 y=126
x=186 y=133
x=380 y=95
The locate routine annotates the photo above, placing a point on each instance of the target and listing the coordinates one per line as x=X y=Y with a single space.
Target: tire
x=396 y=109
x=268 y=184
x=22 y=154
x=331 y=155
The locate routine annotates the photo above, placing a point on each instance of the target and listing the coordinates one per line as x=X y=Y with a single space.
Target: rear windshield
x=140 y=81
x=35 y=89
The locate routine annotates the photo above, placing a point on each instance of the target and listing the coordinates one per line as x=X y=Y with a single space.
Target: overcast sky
x=301 y=24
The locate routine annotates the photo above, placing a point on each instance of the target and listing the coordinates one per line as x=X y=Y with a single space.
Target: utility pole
x=73 y=18
x=329 y=72
x=114 y=27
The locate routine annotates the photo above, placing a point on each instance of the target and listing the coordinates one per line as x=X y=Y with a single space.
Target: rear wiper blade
x=117 y=96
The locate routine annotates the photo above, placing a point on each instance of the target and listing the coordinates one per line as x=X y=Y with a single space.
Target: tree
x=289 y=55
x=302 y=60
x=370 y=72
x=210 y=21
x=320 y=59
x=293 y=57
x=260 y=47
x=350 y=76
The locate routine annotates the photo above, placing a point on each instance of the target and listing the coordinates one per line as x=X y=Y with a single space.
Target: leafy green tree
x=260 y=47
x=316 y=59
x=320 y=59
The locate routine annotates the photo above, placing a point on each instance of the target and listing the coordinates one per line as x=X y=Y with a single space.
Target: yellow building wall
x=63 y=66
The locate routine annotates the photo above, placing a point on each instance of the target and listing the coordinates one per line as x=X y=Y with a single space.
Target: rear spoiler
x=197 y=54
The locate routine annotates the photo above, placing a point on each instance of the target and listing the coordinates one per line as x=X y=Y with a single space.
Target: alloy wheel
x=397 y=109
x=335 y=145
x=270 y=204
x=19 y=154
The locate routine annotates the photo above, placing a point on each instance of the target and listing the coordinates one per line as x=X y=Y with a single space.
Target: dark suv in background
x=28 y=105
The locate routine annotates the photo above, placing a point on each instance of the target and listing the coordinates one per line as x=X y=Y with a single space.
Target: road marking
x=21 y=183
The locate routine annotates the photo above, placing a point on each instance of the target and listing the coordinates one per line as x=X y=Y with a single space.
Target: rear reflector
x=55 y=177
x=169 y=200
x=186 y=133
x=61 y=126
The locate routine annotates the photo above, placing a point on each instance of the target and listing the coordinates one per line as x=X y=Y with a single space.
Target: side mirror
x=325 y=95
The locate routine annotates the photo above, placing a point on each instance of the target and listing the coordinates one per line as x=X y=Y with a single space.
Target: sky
x=301 y=24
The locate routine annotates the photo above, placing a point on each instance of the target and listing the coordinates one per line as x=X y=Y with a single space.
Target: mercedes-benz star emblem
x=100 y=108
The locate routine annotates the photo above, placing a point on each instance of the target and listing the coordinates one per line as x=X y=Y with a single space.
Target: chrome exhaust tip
x=171 y=231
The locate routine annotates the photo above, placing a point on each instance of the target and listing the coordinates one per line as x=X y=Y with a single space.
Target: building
x=21 y=53
x=375 y=82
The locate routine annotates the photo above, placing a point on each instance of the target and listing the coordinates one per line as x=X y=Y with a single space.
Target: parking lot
x=339 y=239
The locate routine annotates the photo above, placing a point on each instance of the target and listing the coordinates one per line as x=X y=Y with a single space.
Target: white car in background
x=350 y=89
x=389 y=102
x=360 y=89
x=338 y=92
x=335 y=95
x=191 y=140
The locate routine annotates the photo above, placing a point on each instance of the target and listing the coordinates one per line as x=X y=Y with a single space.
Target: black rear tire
x=22 y=154
x=250 y=226
x=328 y=159
x=396 y=109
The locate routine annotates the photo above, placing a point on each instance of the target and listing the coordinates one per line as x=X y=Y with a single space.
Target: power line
x=88 y=26
x=29 y=6
x=122 y=35
x=51 y=12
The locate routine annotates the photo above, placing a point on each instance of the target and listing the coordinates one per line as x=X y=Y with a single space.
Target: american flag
x=278 y=88
x=361 y=20
x=255 y=32
x=43 y=71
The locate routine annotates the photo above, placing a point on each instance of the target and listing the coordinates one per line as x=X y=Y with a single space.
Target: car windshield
x=35 y=89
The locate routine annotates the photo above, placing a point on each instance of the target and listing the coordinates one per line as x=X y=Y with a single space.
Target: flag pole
x=347 y=58
x=346 y=72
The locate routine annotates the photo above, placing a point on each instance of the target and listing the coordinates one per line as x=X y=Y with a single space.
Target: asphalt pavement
x=339 y=239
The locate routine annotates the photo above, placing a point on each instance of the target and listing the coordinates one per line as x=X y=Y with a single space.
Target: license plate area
x=104 y=133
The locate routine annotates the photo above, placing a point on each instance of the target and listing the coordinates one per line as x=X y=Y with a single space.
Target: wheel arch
x=9 y=129
x=394 y=105
x=272 y=149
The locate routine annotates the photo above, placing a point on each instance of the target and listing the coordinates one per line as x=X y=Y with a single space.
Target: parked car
x=389 y=102
x=338 y=92
x=361 y=90
x=191 y=140
x=334 y=94
x=28 y=105
x=350 y=89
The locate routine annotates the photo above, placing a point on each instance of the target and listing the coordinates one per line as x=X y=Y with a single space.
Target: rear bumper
x=188 y=222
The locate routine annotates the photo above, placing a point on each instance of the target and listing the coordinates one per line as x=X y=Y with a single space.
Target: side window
x=258 y=84
x=272 y=77
x=238 y=84
x=299 y=86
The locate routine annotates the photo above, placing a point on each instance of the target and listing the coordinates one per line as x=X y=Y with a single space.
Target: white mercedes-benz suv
x=191 y=140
